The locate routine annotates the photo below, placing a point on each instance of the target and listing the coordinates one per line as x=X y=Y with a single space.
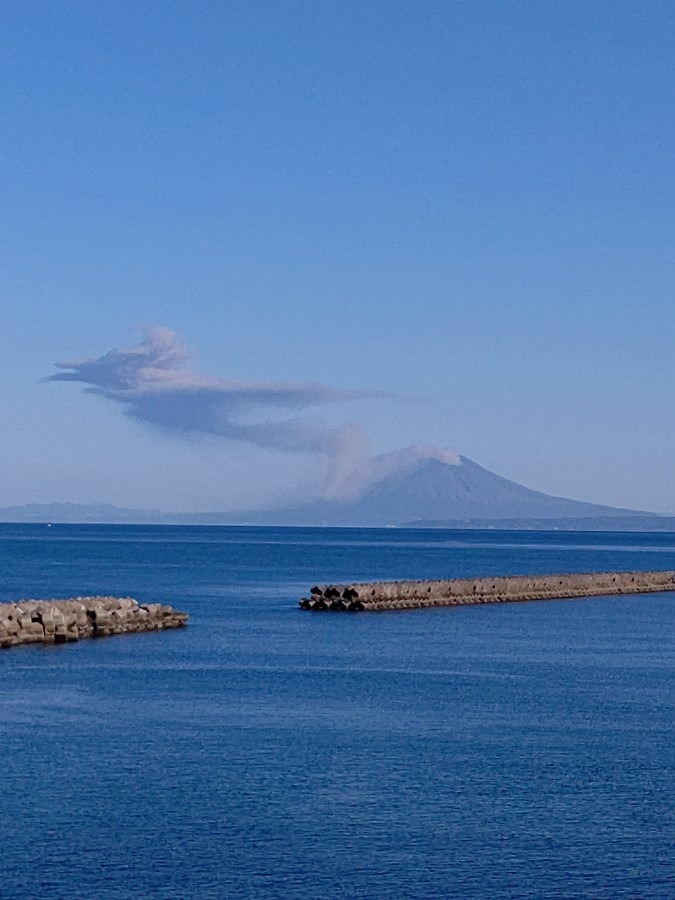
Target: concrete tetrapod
x=377 y=596
x=61 y=621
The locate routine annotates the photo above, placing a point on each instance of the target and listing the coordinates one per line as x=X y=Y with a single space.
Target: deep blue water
x=520 y=750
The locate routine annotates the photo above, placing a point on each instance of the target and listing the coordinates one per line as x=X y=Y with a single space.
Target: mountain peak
x=427 y=483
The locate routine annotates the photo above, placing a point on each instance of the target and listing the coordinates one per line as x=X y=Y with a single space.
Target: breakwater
x=385 y=595
x=62 y=621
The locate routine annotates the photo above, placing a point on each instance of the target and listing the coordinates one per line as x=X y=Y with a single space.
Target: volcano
x=434 y=490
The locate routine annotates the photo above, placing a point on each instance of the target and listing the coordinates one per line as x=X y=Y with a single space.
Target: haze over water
x=522 y=750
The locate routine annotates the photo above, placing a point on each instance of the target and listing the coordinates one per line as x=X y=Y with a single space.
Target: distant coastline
x=650 y=523
x=105 y=514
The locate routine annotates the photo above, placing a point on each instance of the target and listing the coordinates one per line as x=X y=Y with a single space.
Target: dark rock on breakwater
x=62 y=621
x=384 y=595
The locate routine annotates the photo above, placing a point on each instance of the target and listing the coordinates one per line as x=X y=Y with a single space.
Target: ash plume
x=154 y=383
x=375 y=468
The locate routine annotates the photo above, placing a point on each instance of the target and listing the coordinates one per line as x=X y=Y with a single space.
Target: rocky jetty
x=385 y=595
x=61 y=621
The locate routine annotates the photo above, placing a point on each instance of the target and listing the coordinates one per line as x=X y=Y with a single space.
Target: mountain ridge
x=435 y=491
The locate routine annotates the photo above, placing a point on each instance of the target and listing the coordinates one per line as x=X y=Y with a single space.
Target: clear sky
x=469 y=206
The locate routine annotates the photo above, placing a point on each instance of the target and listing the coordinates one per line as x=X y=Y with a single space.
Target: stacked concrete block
x=461 y=591
x=62 y=621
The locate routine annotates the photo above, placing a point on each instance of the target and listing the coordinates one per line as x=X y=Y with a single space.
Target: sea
x=522 y=750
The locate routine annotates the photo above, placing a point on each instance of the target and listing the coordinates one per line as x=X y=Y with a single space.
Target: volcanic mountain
x=438 y=488
x=418 y=485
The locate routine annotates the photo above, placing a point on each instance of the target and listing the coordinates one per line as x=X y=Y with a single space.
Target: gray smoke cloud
x=154 y=383
x=375 y=468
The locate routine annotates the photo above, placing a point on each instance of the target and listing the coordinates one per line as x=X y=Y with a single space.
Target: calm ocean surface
x=521 y=750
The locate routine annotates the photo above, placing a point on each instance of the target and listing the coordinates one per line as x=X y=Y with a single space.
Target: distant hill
x=435 y=490
x=650 y=522
x=82 y=513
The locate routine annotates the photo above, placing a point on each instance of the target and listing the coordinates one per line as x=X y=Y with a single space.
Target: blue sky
x=467 y=205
